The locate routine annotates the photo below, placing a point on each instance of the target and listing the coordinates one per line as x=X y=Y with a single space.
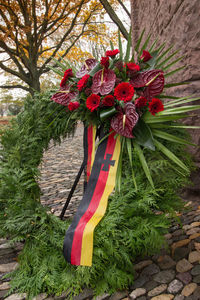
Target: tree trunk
x=34 y=83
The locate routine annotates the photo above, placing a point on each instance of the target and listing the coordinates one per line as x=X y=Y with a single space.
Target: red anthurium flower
x=68 y=73
x=153 y=80
x=140 y=102
x=124 y=92
x=82 y=82
x=145 y=56
x=133 y=67
x=124 y=121
x=108 y=100
x=105 y=62
x=112 y=53
x=155 y=106
x=73 y=105
x=93 y=102
x=87 y=67
x=103 y=82
x=64 y=96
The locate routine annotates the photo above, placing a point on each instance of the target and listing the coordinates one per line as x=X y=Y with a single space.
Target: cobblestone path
x=172 y=274
x=58 y=172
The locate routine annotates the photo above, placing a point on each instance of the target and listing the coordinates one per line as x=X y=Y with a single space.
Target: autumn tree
x=29 y=29
x=33 y=32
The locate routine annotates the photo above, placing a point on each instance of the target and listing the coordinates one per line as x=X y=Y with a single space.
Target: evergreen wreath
x=130 y=227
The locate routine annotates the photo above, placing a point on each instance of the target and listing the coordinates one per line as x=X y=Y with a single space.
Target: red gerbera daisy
x=140 y=102
x=124 y=91
x=93 y=102
x=82 y=82
x=68 y=73
x=155 y=106
x=108 y=100
x=105 y=62
x=112 y=53
x=73 y=105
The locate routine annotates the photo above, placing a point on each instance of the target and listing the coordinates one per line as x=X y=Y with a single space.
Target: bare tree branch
x=18 y=86
x=124 y=8
x=114 y=17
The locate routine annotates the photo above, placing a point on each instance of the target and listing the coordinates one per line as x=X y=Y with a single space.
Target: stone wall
x=175 y=22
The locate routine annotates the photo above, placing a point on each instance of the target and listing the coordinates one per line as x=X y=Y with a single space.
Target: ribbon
x=78 y=243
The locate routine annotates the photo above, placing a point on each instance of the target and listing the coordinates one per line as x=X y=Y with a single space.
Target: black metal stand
x=72 y=190
x=84 y=163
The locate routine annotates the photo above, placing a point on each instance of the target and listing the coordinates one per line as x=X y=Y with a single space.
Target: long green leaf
x=177 y=99
x=169 y=85
x=65 y=63
x=167 y=59
x=58 y=63
x=139 y=40
x=111 y=45
x=119 y=168
x=171 y=137
x=173 y=63
x=149 y=119
x=182 y=102
x=128 y=48
x=164 y=53
x=129 y=149
x=120 y=45
x=168 y=97
x=171 y=155
x=153 y=45
x=144 y=163
x=161 y=48
x=56 y=71
x=174 y=71
x=173 y=126
x=179 y=110
x=144 y=46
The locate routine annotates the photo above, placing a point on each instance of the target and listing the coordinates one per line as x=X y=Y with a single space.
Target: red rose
x=140 y=102
x=82 y=82
x=73 y=105
x=68 y=73
x=105 y=62
x=145 y=56
x=112 y=53
x=155 y=106
x=133 y=67
x=124 y=91
x=93 y=102
x=108 y=100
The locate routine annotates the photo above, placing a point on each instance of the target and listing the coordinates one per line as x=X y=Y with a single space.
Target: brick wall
x=175 y=22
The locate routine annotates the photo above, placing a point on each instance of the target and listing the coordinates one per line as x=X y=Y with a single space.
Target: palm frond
x=144 y=163
x=170 y=137
x=174 y=71
x=139 y=41
x=171 y=156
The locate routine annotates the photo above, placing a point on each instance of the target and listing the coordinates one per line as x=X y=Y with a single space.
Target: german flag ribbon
x=78 y=243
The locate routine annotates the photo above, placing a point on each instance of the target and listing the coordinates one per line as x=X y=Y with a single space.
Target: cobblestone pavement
x=173 y=274
x=58 y=172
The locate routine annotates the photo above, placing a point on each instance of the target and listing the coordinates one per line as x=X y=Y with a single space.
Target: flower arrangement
x=118 y=91
x=126 y=93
